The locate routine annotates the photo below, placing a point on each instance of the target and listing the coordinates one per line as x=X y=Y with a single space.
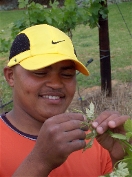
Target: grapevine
x=122 y=168
x=60 y=17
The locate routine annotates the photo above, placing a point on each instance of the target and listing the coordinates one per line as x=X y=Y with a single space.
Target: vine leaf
x=118 y=136
x=128 y=125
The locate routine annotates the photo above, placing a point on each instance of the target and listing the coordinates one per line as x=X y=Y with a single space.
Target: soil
x=121 y=99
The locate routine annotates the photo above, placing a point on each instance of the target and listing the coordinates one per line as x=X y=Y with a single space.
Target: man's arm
x=31 y=167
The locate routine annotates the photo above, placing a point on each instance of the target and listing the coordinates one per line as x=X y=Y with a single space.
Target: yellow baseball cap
x=42 y=45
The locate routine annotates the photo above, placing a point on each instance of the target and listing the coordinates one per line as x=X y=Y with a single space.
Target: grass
x=8 y=17
x=86 y=42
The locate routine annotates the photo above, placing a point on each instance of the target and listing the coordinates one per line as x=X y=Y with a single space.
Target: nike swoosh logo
x=56 y=42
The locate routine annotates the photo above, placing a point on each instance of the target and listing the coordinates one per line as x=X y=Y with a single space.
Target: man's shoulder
x=2 y=117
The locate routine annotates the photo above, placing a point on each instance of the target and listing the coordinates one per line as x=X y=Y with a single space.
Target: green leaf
x=22 y=3
x=128 y=125
x=90 y=111
x=119 y=136
x=129 y=136
x=89 y=135
x=89 y=144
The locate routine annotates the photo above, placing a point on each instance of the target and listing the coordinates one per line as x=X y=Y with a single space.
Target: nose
x=54 y=82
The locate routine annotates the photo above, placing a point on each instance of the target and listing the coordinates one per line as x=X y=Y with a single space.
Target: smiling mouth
x=50 y=97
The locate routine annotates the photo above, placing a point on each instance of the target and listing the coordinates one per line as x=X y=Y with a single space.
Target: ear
x=9 y=75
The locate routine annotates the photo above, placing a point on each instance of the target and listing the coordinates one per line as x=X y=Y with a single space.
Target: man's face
x=46 y=92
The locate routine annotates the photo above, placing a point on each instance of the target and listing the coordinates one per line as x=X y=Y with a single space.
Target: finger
x=101 y=122
x=76 y=145
x=117 y=121
x=72 y=125
x=71 y=141
x=71 y=146
x=112 y=121
x=66 y=117
x=75 y=135
x=106 y=115
x=104 y=126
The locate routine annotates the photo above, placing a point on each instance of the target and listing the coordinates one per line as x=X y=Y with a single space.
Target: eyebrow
x=68 y=67
x=71 y=66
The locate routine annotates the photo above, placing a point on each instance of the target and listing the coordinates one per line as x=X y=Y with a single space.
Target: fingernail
x=100 y=130
x=112 y=124
x=95 y=124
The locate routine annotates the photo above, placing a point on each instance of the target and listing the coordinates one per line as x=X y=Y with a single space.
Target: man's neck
x=24 y=122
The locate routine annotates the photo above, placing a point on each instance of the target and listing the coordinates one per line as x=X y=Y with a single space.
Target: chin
x=54 y=113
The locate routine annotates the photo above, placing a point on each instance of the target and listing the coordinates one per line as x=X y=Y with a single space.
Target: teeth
x=52 y=97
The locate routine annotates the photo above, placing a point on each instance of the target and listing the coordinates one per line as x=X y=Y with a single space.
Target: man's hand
x=113 y=121
x=60 y=136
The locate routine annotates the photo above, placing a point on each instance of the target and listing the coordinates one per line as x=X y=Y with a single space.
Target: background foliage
x=60 y=17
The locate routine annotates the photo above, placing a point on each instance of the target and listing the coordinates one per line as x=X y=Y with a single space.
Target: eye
x=40 y=74
x=68 y=74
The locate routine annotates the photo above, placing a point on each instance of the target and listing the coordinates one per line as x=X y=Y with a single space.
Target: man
x=37 y=137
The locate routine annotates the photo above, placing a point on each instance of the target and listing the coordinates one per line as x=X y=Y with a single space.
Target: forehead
x=66 y=64
x=62 y=65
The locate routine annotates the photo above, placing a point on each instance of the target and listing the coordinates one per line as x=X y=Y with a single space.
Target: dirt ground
x=121 y=99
